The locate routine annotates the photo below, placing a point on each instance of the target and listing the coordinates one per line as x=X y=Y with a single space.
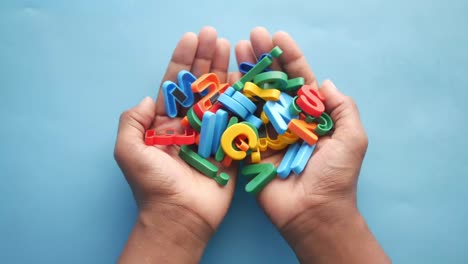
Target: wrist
x=167 y=234
x=335 y=234
x=325 y=218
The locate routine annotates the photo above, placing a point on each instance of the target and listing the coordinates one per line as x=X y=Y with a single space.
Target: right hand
x=179 y=207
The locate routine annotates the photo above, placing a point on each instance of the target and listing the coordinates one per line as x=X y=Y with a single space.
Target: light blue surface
x=69 y=68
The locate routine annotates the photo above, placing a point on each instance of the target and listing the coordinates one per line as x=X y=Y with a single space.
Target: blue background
x=67 y=70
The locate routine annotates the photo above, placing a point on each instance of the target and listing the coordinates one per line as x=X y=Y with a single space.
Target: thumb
x=134 y=122
x=345 y=114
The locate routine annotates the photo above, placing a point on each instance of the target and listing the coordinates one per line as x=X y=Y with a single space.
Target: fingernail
x=331 y=84
x=146 y=100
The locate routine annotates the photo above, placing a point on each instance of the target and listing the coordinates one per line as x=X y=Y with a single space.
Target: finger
x=292 y=60
x=134 y=122
x=345 y=114
x=205 y=51
x=244 y=52
x=182 y=59
x=262 y=43
x=220 y=63
x=234 y=77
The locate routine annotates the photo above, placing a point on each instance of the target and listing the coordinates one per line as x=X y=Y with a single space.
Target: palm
x=282 y=200
x=192 y=189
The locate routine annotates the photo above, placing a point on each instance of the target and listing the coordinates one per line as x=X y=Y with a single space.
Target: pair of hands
x=183 y=207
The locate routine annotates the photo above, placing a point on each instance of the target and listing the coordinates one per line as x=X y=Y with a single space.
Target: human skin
x=317 y=212
x=179 y=209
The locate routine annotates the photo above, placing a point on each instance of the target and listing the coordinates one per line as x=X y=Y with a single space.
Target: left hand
x=316 y=211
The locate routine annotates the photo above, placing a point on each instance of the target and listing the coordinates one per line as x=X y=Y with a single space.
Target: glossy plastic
x=207 y=83
x=220 y=125
x=172 y=93
x=294 y=84
x=325 y=124
x=233 y=106
x=302 y=158
x=258 y=68
x=210 y=101
x=252 y=91
x=222 y=179
x=278 y=113
x=273 y=79
x=310 y=101
x=304 y=130
x=193 y=120
x=196 y=161
x=169 y=137
x=245 y=102
x=234 y=131
x=262 y=174
x=206 y=134
x=284 y=168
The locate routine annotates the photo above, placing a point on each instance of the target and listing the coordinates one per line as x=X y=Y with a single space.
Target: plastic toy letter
x=304 y=130
x=172 y=93
x=295 y=159
x=302 y=157
x=234 y=131
x=278 y=113
x=262 y=174
x=207 y=83
x=206 y=134
x=258 y=68
x=284 y=168
x=310 y=101
x=196 y=161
